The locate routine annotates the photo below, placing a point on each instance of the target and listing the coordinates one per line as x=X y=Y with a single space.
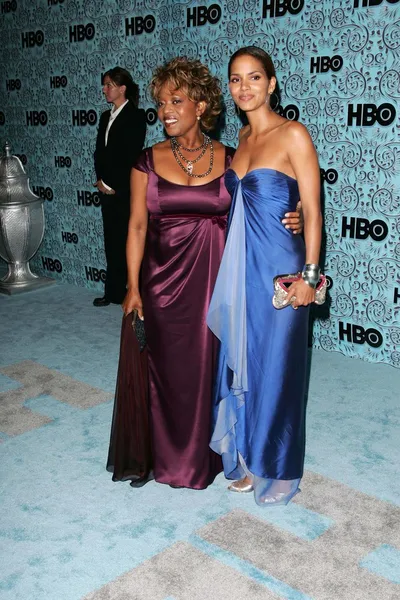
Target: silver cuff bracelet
x=311 y=274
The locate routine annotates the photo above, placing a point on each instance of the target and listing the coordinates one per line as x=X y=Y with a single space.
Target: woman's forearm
x=312 y=237
x=134 y=253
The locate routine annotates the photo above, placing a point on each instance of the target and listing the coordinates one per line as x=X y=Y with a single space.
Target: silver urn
x=21 y=226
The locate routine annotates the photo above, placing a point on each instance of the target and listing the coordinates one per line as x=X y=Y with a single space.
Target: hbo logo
x=42 y=192
x=355 y=334
x=7 y=7
x=279 y=8
x=362 y=228
x=200 y=15
x=88 y=198
x=80 y=118
x=70 y=238
x=330 y=176
x=13 y=84
x=93 y=274
x=35 y=118
x=290 y=112
x=81 y=33
x=366 y=3
x=139 y=25
x=323 y=64
x=62 y=162
x=58 y=81
x=30 y=39
x=366 y=115
x=51 y=264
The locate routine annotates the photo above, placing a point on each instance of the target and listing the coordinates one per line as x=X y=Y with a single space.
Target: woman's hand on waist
x=294 y=220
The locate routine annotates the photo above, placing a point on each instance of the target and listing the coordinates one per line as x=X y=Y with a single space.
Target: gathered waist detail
x=220 y=220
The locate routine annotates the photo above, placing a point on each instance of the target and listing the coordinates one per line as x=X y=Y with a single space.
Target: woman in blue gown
x=259 y=416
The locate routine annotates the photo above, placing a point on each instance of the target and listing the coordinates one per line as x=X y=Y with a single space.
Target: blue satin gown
x=259 y=413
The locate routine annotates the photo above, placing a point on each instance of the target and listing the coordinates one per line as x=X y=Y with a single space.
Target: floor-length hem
x=190 y=487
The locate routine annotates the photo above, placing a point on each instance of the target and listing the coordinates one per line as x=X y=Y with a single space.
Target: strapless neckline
x=260 y=169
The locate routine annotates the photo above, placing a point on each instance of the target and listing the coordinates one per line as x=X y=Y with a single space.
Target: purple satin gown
x=185 y=242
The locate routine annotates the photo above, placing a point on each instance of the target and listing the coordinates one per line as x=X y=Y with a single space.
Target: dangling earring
x=274 y=104
x=198 y=117
x=268 y=100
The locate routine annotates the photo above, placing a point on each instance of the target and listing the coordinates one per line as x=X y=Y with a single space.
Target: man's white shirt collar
x=115 y=111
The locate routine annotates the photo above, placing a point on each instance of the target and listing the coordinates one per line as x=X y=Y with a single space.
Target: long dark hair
x=265 y=60
x=121 y=76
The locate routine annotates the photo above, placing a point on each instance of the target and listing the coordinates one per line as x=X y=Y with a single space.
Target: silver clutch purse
x=282 y=284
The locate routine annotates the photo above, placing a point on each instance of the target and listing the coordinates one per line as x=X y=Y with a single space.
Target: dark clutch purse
x=138 y=328
x=283 y=282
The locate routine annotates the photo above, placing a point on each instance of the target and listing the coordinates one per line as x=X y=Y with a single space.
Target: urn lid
x=14 y=182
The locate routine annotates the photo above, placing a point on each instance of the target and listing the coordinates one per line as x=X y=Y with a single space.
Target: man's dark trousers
x=115 y=212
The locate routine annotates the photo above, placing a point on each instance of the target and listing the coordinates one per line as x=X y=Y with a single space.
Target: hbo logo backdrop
x=337 y=69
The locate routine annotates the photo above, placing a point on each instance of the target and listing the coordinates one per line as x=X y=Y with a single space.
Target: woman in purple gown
x=179 y=208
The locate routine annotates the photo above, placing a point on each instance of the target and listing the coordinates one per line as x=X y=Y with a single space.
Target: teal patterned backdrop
x=338 y=68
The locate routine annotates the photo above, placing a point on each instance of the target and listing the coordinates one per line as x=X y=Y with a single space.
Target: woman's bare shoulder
x=218 y=147
x=296 y=131
x=161 y=145
x=298 y=141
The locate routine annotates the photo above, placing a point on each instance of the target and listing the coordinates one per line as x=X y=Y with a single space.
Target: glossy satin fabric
x=259 y=420
x=185 y=242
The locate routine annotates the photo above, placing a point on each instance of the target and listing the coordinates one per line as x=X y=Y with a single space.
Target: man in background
x=120 y=140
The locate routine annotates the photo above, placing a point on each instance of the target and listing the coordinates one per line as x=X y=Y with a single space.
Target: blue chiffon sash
x=227 y=320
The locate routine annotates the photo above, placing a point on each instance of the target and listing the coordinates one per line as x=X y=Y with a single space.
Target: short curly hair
x=196 y=81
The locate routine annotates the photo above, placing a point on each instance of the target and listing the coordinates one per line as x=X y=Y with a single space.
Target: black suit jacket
x=113 y=162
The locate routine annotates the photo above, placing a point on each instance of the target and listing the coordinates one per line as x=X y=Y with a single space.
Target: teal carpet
x=68 y=533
